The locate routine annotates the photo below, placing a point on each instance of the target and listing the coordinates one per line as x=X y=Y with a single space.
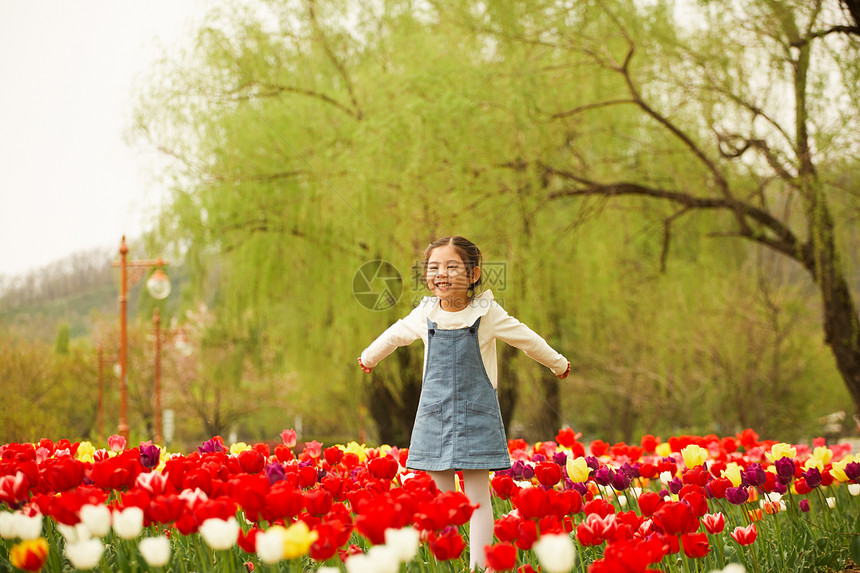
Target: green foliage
x=314 y=140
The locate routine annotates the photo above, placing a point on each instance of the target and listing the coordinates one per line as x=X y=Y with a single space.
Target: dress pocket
x=485 y=429
x=427 y=430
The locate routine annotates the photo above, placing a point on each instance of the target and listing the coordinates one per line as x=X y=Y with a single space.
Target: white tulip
x=730 y=568
x=270 y=545
x=220 y=533
x=74 y=533
x=96 y=518
x=85 y=554
x=556 y=553
x=155 y=550
x=384 y=559
x=7 y=525
x=854 y=489
x=360 y=563
x=404 y=542
x=831 y=502
x=27 y=527
x=128 y=523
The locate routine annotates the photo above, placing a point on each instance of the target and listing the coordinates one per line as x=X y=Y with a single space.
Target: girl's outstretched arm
x=405 y=331
x=515 y=333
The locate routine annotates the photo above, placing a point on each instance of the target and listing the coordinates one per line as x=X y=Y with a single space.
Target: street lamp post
x=158 y=286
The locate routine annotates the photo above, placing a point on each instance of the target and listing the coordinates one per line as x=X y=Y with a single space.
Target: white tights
x=476 y=486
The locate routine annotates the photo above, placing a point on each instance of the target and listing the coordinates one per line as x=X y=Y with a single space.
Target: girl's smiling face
x=448 y=278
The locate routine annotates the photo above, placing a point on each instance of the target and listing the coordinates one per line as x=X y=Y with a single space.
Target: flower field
x=689 y=503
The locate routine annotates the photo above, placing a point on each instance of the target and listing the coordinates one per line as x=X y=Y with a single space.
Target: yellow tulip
x=85 y=452
x=733 y=473
x=297 y=540
x=357 y=449
x=239 y=447
x=781 y=450
x=694 y=455
x=664 y=450
x=837 y=470
x=822 y=454
x=813 y=463
x=577 y=469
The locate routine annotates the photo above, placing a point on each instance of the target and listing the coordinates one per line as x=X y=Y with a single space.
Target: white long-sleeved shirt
x=495 y=323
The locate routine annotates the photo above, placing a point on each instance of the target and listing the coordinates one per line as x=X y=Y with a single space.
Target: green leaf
x=854 y=549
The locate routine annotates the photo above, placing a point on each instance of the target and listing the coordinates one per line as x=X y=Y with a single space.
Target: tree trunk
x=508 y=389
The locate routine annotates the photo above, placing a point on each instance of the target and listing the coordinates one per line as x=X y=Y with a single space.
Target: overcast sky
x=68 y=180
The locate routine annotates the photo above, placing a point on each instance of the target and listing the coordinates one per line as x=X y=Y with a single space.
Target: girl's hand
x=369 y=370
x=563 y=375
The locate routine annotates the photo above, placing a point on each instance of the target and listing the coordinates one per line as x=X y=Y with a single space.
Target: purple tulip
x=592 y=462
x=560 y=458
x=628 y=470
x=275 y=472
x=737 y=495
x=620 y=481
x=812 y=477
x=603 y=476
x=581 y=488
x=149 y=455
x=804 y=505
x=528 y=472
x=784 y=469
x=675 y=485
x=516 y=471
x=754 y=475
x=780 y=487
x=211 y=446
x=852 y=471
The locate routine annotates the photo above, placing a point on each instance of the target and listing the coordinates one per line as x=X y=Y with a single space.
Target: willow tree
x=313 y=137
x=746 y=113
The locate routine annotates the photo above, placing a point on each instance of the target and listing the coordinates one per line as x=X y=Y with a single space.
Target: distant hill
x=74 y=292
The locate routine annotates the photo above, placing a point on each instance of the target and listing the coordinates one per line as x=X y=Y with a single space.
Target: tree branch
x=782 y=239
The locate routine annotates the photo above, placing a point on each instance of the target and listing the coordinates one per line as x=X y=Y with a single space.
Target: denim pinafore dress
x=458 y=424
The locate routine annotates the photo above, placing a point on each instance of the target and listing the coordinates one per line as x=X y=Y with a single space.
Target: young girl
x=458 y=425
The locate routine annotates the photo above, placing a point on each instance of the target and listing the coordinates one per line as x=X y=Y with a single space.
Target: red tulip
x=744 y=535
x=675 y=518
x=504 y=485
x=446 y=545
x=283 y=501
x=695 y=545
x=250 y=491
x=532 y=502
x=501 y=556
x=166 y=509
x=548 y=473
x=333 y=455
x=251 y=461
x=714 y=523
x=14 y=488
x=378 y=514
x=29 y=555
x=506 y=528
x=247 y=542
x=317 y=501
x=383 y=468
x=649 y=502
x=596 y=529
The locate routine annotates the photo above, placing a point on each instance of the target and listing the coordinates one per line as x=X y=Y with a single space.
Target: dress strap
x=431 y=326
x=474 y=328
